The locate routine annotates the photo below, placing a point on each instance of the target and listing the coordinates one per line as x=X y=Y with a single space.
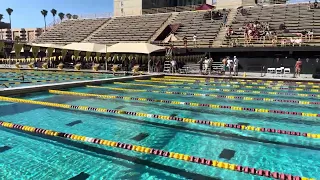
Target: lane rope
x=242 y=80
x=237 y=97
x=228 y=90
x=238 y=82
x=215 y=106
x=164 y=117
x=156 y=152
x=164 y=81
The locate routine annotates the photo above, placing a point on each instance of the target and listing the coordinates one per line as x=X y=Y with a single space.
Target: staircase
x=167 y=67
x=98 y=30
x=222 y=33
x=169 y=21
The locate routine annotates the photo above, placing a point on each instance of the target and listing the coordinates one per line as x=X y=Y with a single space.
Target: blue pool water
x=14 y=78
x=39 y=157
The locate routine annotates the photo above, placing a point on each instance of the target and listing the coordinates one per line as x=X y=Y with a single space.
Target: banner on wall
x=88 y=55
x=35 y=51
x=50 y=51
x=17 y=49
x=76 y=54
x=1 y=46
x=98 y=55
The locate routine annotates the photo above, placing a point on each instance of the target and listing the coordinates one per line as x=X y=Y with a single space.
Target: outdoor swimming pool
x=14 y=78
x=162 y=113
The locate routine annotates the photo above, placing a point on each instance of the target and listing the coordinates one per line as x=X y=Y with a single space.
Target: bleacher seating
x=296 y=17
x=196 y=22
x=70 y=31
x=130 y=28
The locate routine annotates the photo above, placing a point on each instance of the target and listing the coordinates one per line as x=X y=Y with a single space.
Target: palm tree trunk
x=10 y=28
x=45 y=24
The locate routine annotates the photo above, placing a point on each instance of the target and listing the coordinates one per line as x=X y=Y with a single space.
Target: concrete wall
x=228 y=3
x=127 y=7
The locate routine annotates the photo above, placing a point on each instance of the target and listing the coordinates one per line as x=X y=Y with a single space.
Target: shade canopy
x=47 y=45
x=141 y=48
x=171 y=38
x=88 y=47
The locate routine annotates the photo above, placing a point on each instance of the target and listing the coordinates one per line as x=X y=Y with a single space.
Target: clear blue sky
x=26 y=14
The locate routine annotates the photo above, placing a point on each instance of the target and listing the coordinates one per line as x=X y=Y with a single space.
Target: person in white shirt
x=235 y=65
x=229 y=64
x=206 y=65
x=173 y=66
x=194 y=40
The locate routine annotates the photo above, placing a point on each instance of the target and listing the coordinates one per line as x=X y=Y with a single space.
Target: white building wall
x=127 y=7
x=228 y=3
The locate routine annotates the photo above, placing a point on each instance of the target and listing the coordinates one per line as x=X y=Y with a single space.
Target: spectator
x=185 y=41
x=310 y=35
x=224 y=63
x=201 y=65
x=194 y=40
x=309 y=6
x=298 y=68
x=304 y=34
x=282 y=27
x=224 y=19
x=315 y=4
x=235 y=65
x=173 y=66
x=230 y=65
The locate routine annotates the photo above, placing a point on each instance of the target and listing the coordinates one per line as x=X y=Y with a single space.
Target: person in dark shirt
x=304 y=34
x=185 y=41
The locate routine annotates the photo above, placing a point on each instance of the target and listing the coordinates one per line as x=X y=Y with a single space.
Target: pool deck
x=63 y=85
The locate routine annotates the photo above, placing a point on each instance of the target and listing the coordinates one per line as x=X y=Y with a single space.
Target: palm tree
x=1 y=17
x=44 y=14
x=54 y=12
x=75 y=17
x=69 y=16
x=61 y=16
x=9 y=11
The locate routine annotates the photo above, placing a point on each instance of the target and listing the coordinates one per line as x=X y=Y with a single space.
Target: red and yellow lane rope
x=222 y=90
x=163 y=117
x=215 y=106
x=152 y=151
x=164 y=81
x=238 y=97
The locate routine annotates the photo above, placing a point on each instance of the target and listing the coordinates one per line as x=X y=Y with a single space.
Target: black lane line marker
x=140 y=136
x=227 y=154
x=74 y=123
x=81 y=176
x=244 y=124
x=4 y=148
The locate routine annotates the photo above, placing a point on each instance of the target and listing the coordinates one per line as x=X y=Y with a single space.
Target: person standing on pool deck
x=224 y=63
x=201 y=65
x=230 y=65
x=298 y=67
x=235 y=65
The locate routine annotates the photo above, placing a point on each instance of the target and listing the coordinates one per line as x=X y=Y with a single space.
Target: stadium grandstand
x=286 y=29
